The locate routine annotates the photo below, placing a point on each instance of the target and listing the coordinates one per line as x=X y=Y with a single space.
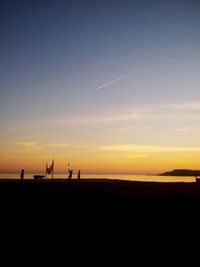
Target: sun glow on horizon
x=126 y=159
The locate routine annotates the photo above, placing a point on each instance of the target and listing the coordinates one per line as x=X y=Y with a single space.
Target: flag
x=50 y=169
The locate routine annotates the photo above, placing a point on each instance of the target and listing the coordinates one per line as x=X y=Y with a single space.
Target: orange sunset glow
x=124 y=159
x=99 y=132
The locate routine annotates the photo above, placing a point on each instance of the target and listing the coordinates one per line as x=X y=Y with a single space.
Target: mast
x=46 y=171
x=52 y=169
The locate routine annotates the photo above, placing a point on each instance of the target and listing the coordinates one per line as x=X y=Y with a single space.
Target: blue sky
x=54 y=54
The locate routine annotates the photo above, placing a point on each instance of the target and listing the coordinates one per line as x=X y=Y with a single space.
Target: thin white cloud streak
x=188 y=106
x=114 y=81
x=136 y=115
x=25 y=144
x=60 y=145
x=29 y=144
x=183 y=111
x=139 y=156
x=186 y=111
x=148 y=149
x=188 y=130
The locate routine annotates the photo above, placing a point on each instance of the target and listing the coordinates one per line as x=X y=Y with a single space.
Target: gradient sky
x=109 y=86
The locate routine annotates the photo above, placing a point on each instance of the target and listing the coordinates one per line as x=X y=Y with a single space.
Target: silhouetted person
x=70 y=174
x=22 y=174
x=79 y=175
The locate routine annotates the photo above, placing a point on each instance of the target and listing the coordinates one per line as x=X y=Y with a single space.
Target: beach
x=93 y=216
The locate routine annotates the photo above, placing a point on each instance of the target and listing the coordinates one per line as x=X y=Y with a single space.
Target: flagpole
x=52 y=169
x=46 y=170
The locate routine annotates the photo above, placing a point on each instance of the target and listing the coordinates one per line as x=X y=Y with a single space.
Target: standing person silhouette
x=79 y=175
x=68 y=173
x=22 y=174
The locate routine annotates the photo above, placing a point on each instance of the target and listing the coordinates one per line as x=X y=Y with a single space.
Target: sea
x=142 y=178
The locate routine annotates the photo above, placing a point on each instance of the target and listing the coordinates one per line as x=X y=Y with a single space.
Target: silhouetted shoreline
x=181 y=172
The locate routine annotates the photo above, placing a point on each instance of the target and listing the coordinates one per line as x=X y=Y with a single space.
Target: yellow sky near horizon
x=142 y=139
x=126 y=159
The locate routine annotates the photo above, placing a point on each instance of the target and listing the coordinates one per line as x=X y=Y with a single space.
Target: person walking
x=70 y=174
x=79 y=175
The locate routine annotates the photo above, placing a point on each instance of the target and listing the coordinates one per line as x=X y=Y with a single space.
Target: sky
x=107 y=86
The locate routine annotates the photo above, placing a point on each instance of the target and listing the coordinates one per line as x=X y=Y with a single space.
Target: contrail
x=114 y=81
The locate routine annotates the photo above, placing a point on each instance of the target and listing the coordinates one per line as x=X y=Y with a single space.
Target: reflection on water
x=147 y=178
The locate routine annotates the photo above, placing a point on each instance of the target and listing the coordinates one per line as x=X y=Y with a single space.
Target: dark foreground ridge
x=99 y=216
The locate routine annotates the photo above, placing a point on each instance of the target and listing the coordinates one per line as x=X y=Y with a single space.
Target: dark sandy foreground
x=96 y=218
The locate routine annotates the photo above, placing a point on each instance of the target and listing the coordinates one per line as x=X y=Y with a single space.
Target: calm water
x=148 y=178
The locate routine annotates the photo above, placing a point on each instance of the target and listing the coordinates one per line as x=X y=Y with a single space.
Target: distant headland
x=182 y=172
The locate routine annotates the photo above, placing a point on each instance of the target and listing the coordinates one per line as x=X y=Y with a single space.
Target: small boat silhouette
x=38 y=177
